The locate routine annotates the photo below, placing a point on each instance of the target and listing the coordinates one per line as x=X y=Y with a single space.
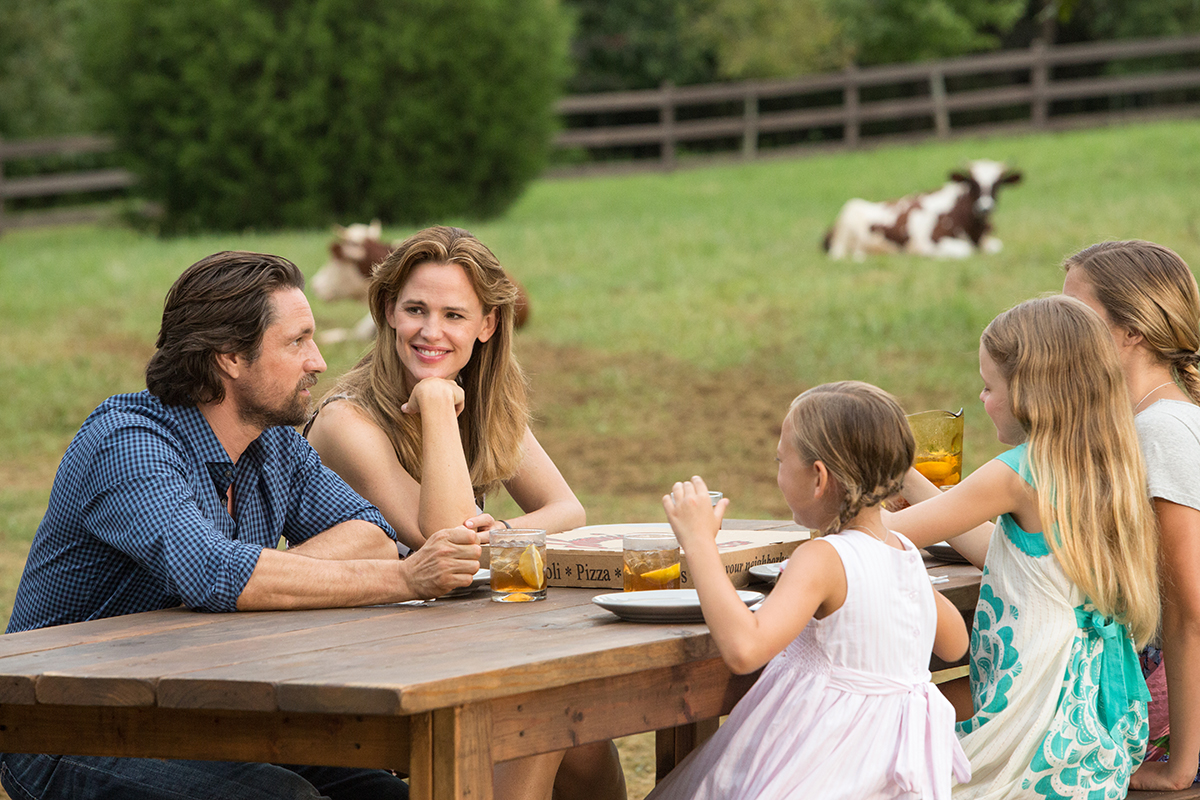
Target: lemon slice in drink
x=663 y=575
x=935 y=471
x=517 y=597
x=532 y=568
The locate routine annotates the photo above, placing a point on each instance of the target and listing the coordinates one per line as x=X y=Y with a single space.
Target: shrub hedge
x=283 y=113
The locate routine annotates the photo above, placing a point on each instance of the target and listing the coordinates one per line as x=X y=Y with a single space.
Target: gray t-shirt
x=1169 y=432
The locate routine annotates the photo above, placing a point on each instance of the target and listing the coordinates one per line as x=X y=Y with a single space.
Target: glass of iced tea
x=939 y=436
x=518 y=564
x=651 y=561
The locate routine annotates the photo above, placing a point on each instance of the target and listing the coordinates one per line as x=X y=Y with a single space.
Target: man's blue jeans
x=41 y=777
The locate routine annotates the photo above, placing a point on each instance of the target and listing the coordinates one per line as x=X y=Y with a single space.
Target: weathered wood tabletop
x=440 y=691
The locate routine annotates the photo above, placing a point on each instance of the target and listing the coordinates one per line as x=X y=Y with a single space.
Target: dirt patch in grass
x=624 y=428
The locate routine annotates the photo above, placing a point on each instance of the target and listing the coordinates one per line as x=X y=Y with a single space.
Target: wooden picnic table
x=440 y=691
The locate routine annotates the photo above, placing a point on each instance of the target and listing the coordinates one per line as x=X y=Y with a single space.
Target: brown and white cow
x=951 y=222
x=352 y=257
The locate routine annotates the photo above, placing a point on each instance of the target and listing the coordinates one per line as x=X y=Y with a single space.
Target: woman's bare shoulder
x=342 y=420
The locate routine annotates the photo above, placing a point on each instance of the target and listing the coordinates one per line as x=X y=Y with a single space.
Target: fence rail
x=55 y=184
x=837 y=109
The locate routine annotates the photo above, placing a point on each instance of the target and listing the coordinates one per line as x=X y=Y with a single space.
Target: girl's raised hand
x=691 y=512
x=430 y=391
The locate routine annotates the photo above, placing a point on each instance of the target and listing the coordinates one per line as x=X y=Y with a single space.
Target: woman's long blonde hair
x=1147 y=288
x=496 y=411
x=1068 y=393
x=860 y=433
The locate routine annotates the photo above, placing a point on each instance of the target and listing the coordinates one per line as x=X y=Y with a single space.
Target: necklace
x=868 y=532
x=1147 y=394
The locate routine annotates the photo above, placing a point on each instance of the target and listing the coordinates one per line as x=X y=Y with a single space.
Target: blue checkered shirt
x=138 y=518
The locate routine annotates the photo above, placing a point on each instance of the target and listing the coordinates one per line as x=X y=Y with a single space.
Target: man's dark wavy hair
x=220 y=304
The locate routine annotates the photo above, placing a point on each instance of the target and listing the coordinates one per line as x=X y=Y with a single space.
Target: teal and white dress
x=1060 y=703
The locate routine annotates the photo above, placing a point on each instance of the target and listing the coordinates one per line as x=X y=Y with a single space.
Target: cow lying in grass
x=951 y=222
x=352 y=257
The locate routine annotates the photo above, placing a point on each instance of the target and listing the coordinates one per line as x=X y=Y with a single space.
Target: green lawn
x=673 y=315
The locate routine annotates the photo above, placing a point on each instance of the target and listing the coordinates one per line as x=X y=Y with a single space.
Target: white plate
x=768 y=573
x=482 y=580
x=662 y=605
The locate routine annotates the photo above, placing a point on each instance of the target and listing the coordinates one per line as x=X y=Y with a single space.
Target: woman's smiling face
x=438 y=318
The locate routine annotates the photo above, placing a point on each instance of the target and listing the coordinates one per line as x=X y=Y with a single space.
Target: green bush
x=279 y=113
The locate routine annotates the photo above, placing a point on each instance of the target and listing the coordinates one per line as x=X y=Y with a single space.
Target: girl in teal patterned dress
x=1057 y=692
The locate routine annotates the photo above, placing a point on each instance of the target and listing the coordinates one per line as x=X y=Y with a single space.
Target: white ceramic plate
x=663 y=605
x=482 y=580
x=767 y=573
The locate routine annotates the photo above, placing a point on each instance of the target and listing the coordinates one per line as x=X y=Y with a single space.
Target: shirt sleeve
x=137 y=498
x=319 y=499
x=1172 y=451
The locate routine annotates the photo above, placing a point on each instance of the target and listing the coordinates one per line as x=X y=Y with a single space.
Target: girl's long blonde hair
x=1147 y=288
x=1068 y=393
x=496 y=411
x=860 y=433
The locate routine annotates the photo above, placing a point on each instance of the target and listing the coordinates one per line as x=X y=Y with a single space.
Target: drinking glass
x=939 y=436
x=651 y=561
x=518 y=565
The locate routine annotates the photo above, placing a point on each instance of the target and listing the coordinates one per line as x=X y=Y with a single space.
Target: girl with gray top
x=1148 y=297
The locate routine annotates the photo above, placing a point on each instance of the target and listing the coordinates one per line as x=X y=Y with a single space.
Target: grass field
x=674 y=315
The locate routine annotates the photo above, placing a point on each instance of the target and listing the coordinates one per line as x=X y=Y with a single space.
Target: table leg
x=671 y=745
x=462 y=753
x=420 y=761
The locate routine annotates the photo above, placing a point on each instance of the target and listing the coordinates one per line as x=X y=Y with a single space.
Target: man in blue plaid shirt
x=180 y=495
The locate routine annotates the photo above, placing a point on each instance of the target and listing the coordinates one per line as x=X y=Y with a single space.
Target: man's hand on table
x=448 y=559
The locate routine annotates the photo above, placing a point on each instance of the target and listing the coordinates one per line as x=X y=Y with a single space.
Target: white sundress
x=847 y=709
x=1060 y=703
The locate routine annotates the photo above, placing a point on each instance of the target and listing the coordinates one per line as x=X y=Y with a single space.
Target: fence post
x=667 y=116
x=750 y=123
x=941 y=115
x=1039 y=78
x=850 y=93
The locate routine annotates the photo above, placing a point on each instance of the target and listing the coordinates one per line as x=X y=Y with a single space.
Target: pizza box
x=591 y=556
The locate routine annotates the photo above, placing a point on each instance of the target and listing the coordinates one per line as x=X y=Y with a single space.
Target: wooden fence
x=1036 y=88
x=55 y=184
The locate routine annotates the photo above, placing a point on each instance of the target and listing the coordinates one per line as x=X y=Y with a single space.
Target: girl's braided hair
x=861 y=435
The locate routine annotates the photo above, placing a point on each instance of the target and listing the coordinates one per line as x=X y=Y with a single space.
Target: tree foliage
x=636 y=44
x=1123 y=19
x=772 y=38
x=40 y=88
x=888 y=31
x=274 y=113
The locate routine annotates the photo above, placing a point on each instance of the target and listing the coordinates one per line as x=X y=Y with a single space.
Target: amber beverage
x=651 y=561
x=939 y=436
x=518 y=565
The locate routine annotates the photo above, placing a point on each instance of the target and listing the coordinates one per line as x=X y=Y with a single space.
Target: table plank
x=422 y=671
x=131 y=670
x=605 y=708
x=334 y=740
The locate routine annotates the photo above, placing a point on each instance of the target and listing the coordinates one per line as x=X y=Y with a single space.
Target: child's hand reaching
x=692 y=514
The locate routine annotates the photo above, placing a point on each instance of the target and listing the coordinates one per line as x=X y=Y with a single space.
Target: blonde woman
x=1147 y=296
x=434 y=418
x=1070 y=583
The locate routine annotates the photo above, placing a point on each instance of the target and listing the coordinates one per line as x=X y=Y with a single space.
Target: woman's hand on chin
x=431 y=393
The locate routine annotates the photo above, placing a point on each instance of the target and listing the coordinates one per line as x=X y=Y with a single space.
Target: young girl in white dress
x=845 y=707
x=1069 y=571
